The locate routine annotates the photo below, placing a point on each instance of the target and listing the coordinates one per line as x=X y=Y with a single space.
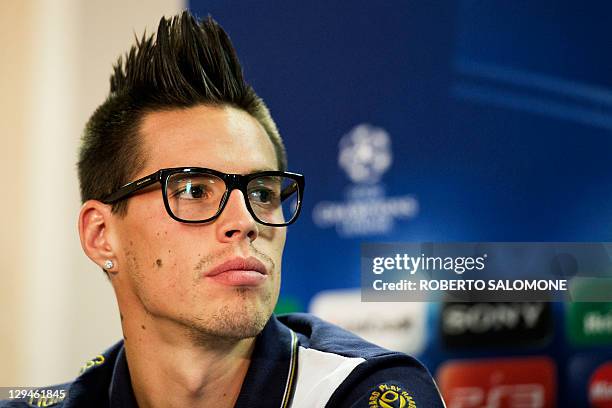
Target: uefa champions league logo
x=365 y=153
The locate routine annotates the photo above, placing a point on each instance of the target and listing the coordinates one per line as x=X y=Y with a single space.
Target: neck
x=173 y=366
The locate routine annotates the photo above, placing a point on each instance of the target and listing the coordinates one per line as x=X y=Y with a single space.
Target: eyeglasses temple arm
x=290 y=189
x=131 y=188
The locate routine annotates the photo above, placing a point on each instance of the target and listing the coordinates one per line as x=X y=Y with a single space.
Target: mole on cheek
x=158 y=263
x=143 y=327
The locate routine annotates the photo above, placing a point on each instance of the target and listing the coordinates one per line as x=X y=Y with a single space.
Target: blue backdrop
x=465 y=120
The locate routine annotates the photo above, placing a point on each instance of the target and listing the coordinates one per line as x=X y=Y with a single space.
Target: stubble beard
x=243 y=315
x=238 y=317
x=244 y=318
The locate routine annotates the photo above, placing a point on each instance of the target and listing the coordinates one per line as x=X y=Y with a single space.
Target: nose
x=236 y=222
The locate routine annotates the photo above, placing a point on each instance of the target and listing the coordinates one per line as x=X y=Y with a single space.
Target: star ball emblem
x=365 y=153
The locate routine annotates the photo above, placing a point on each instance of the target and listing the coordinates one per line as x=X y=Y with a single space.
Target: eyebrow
x=259 y=170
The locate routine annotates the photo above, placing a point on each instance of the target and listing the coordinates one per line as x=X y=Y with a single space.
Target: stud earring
x=108 y=264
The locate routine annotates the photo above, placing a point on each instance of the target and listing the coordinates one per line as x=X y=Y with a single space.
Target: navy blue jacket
x=299 y=361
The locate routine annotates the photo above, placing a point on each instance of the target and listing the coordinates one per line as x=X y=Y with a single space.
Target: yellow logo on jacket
x=390 y=396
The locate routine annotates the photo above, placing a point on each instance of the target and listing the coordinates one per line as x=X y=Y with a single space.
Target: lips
x=239 y=272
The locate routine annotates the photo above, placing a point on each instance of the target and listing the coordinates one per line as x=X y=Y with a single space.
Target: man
x=186 y=203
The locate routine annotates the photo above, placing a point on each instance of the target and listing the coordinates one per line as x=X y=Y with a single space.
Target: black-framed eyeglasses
x=198 y=195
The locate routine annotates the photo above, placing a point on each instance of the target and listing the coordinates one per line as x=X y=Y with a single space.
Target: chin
x=237 y=319
x=229 y=328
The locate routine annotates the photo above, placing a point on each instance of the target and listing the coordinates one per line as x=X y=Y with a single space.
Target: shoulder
x=93 y=376
x=379 y=382
x=339 y=369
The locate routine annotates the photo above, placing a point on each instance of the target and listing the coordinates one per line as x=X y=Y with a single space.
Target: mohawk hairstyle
x=187 y=63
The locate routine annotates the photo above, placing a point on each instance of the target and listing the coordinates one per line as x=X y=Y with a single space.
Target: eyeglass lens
x=197 y=196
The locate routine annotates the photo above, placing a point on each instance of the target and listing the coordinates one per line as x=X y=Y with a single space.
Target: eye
x=192 y=191
x=262 y=196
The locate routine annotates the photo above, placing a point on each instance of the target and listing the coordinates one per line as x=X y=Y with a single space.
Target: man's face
x=164 y=264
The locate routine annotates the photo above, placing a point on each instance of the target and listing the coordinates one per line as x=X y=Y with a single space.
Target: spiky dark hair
x=186 y=63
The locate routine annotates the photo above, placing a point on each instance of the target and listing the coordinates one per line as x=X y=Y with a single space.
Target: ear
x=94 y=221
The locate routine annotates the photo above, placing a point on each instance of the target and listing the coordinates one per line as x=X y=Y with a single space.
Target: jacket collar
x=270 y=380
